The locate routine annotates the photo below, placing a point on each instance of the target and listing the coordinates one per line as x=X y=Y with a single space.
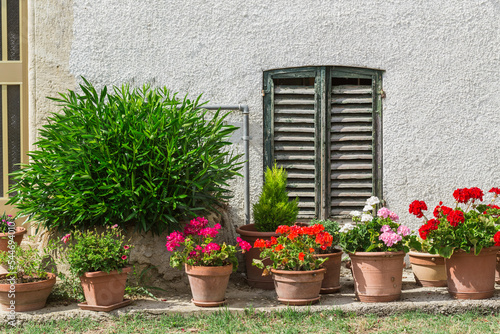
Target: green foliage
x=93 y=251
x=332 y=227
x=273 y=208
x=26 y=262
x=68 y=288
x=136 y=156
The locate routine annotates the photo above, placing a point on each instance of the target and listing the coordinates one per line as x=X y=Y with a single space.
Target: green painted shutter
x=291 y=123
x=354 y=169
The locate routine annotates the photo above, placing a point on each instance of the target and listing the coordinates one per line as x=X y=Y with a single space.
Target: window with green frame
x=323 y=125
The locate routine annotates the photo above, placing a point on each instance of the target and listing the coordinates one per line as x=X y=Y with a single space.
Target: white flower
x=355 y=213
x=347 y=227
x=367 y=208
x=372 y=201
x=366 y=218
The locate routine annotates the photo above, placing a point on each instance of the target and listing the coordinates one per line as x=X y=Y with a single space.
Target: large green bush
x=274 y=208
x=136 y=156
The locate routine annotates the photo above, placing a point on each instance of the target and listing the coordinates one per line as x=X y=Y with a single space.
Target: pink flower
x=390 y=238
x=383 y=212
x=386 y=228
x=174 y=240
x=114 y=226
x=243 y=244
x=66 y=238
x=211 y=247
x=404 y=230
x=124 y=257
x=126 y=247
x=195 y=226
x=394 y=217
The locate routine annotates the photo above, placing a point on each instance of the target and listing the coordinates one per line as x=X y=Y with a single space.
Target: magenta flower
x=211 y=247
x=66 y=238
x=243 y=244
x=124 y=257
x=126 y=247
x=174 y=240
x=195 y=226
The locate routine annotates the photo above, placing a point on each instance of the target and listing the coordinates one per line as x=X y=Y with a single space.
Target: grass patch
x=287 y=321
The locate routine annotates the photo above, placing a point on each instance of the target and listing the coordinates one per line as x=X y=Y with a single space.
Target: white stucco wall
x=441 y=62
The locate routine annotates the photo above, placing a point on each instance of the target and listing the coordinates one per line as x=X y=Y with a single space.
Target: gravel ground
x=240 y=297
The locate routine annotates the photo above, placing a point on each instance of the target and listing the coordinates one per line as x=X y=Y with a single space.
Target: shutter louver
x=294 y=141
x=351 y=146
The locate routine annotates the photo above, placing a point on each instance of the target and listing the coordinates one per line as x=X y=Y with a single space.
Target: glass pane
x=14 y=128
x=13 y=46
x=1 y=146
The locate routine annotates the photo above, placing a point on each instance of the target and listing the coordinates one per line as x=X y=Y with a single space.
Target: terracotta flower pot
x=378 y=276
x=209 y=284
x=254 y=275
x=471 y=276
x=298 y=287
x=18 y=237
x=103 y=289
x=26 y=296
x=331 y=281
x=429 y=269
x=497 y=272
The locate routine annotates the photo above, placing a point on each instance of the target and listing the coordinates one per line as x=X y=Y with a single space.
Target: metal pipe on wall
x=246 y=144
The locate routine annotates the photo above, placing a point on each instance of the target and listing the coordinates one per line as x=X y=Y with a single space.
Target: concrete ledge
x=241 y=299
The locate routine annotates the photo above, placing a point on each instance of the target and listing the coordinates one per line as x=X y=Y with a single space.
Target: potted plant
x=100 y=260
x=429 y=269
x=7 y=228
x=28 y=284
x=376 y=245
x=295 y=268
x=272 y=210
x=331 y=281
x=468 y=237
x=208 y=264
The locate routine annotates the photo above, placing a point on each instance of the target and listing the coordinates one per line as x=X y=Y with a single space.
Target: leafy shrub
x=273 y=208
x=140 y=156
x=93 y=251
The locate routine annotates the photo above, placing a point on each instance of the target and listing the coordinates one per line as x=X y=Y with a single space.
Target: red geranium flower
x=416 y=208
x=455 y=217
x=301 y=256
x=496 y=238
x=495 y=190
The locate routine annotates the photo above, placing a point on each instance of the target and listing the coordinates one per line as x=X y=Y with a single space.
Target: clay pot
x=104 y=289
x=429 y=269
x=18 y=237
x=254 y=275
x=331 y=281
x=298 y=287
x=497 y=272
x=471 y=276
x=209 y=284
x=26 y=296
x=377 y=276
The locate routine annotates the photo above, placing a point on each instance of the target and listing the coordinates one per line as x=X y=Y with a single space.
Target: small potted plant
x=467 y=236
x=331 y=281
x=272 y=210
x=376 y=245
x=208 y=264
x=295 y=268
x=28 y=284
x=100 y=260
x=7 y=227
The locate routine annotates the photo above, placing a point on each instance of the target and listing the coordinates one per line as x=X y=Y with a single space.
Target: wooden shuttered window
x=323 y=125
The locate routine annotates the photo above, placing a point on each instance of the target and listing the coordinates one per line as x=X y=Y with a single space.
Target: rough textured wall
x=441 y=62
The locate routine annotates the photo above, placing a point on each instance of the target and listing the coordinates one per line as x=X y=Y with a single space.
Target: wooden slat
x=286 y=137
x=351 y=156
x=349 y=176
x=294 y=90
x=285 y=111
x=359 y=204
x=352 y=89
x=300 y=176
x=293 y=194
x=345 y=166
x=351 y=119
x=293 y=129
x=344 y=138
x=344 y=147
x=292 y=156
x=350 y=109
x=301 y=185
x=344 y=129
x=292 y=147
x=293 y=120
x=301 y=166
x=303 y=204
x=353 y=193
x=351 y=99
x=351 y=185
x=292 y=101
